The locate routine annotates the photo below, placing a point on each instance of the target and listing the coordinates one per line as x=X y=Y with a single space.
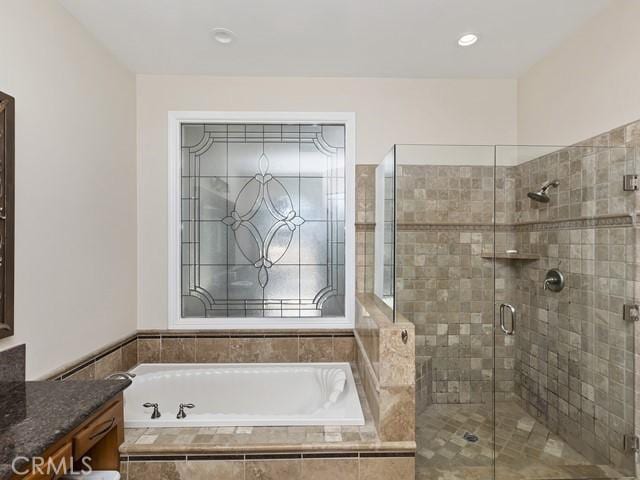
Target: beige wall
x=586 y=86
x=75 y=185
x=388 y=111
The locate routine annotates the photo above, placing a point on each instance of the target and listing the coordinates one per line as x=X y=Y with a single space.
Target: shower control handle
x=181 y=413
x=553 y=280
x=512 y=309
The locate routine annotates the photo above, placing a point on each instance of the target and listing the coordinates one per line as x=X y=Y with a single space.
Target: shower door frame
x=175 y=320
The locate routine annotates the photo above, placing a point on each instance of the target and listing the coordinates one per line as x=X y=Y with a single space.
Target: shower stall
x=518 y=267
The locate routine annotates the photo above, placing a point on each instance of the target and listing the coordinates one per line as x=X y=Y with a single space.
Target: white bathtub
x=244 y=394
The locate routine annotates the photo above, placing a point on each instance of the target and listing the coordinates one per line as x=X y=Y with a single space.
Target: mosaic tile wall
x=446 y=289
x=446 y=194
x=444 y=285
x=574 y=352
x=590 y=180
x=365 y=223
x=572 y=361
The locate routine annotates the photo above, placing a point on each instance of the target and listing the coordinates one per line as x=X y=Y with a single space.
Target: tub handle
x=181 y=412
x=156 y=412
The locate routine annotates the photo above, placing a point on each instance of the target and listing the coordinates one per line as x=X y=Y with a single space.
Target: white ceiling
x=360 y=38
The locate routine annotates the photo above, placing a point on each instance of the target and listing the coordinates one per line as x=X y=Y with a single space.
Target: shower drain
x=470 y=437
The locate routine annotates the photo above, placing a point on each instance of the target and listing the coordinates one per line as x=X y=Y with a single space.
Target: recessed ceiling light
x=223 y=35
x=467 y=39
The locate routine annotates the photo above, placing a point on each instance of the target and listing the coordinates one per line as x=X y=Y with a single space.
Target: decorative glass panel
x=262 y=220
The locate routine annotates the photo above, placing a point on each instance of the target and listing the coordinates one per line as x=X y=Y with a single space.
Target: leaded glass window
x=262 y=220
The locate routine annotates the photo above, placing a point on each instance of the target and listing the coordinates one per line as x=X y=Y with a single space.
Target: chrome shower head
x=538 y=197
x=541 y=195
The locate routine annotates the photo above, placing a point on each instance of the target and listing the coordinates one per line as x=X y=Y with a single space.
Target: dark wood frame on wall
x=7 y=221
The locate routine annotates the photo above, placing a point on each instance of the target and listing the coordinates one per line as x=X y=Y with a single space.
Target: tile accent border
x=365 y=227
x=595 y=222
x=267 y=456
x=154 y=346
x=453 y=227
x=602 y=221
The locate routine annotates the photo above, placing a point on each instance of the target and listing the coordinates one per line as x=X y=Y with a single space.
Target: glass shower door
x=564 y=261
x=444 y=285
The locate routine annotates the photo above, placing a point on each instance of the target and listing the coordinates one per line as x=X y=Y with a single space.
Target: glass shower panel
x=263 y=220
x=444 y=284
x=384 y=265
x=517 y=264
x=565 y=263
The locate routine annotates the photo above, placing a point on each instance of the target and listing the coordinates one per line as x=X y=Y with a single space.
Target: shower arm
x=549 y=184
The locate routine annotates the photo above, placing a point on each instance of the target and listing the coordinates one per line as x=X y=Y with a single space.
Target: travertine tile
x=212 y=350
x=365 y=218
x=149 y=350
x=178 y=350
x=330 y=469
x=392 y=402
x=571 y=360
x=130 y=355
x=208 y=470
x=397 y=414
x=87 y=373
x=316 y=349
x=147 y=470
x=344 y=349
x=520 y=444
x=186 y=470
x=397 y=365
x=273 y=469
x=109 y=364
x=268 y=349
x=387 y=468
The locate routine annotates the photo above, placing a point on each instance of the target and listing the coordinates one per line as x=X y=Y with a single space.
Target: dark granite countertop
x=34 y=415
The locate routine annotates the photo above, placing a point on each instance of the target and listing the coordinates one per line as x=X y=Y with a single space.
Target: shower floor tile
x=525 y=449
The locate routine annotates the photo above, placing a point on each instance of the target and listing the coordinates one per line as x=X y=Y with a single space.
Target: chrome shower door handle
x=503 y=327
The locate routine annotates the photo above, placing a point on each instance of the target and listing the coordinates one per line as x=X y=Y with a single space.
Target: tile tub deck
x=354 y=451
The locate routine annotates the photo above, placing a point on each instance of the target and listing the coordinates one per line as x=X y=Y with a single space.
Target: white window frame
x=175 y=320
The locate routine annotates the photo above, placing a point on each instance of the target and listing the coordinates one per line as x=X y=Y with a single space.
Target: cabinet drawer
x=56 y=464
x=97 y=429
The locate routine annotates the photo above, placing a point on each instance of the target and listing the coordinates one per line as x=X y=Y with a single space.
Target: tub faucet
x=181 y=413
x=156 y=413
x=121 y=376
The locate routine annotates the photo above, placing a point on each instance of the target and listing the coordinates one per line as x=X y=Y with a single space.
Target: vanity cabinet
x=61 y=458
x=95 y=442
